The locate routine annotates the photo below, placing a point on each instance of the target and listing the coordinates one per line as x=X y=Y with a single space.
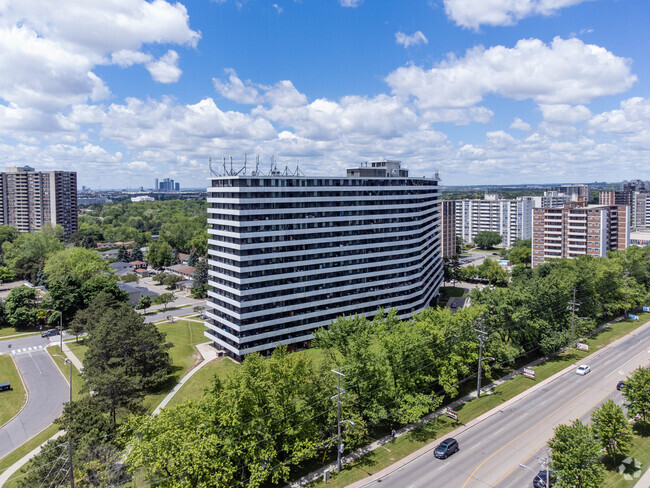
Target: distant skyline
x=498 y=92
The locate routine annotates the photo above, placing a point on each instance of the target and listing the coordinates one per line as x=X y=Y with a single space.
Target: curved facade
x=289 y=254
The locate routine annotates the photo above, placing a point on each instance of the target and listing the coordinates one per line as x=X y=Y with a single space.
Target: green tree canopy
x=612 y=429
x=575 y=456
x=487 y=239
x=21 y=307
x=637 y=393
x=25 y=256
x=77 y=263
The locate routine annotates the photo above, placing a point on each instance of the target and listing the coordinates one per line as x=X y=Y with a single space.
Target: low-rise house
x=121 y=268
x=181 y=270
x=135 y=292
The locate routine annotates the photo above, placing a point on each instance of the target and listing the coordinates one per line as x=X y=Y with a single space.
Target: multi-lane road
x=46 y=387
x=491 y=450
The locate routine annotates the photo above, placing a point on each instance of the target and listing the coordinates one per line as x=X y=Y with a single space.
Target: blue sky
x=486 y=91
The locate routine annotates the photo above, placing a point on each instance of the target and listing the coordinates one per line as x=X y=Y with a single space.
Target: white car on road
x=583 y=369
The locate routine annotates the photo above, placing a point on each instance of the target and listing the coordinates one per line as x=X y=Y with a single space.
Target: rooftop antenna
x=210 y=165
x=257 y=165
x=231 y=170
x=245 y=161
x=224 y=166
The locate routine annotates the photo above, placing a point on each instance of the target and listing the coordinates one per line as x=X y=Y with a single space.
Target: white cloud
x=236 y=90
x=566 y=71
x=474 y=13
x=165 y=69
x=563 y=114
x=277 y=8
x=520 y=125
x=350 y=3
x=412 y=40
x=48 y=50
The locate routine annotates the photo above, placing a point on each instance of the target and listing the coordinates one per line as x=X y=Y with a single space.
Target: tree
x=520 y=255
x=123 y=255
x=175 y=258
x=170 y=280
x=6 y=275
x=200 y=279
x=492 y=271
x=88 y=242
x=160 y=253
x=612 y=429
x=25 y=256
x=77 y=263
x=47 y=466
x=102 y=283
x=452 y=268
x=637 y=394
x=487 y=239
x=64 y=295
x=164 y=299
x=193 y=258
x=21 y=307
x=575 y=456
x=144 y=303
x=136 y=254
x=125 y=358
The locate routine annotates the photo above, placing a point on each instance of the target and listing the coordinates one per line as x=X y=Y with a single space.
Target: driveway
x=47 y=390
x=170 y=313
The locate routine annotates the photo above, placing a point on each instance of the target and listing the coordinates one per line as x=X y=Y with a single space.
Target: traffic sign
x=530 y=373
x=646 y=309
x=633 y=317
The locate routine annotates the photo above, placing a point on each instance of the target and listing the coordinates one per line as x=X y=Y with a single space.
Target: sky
x=484 y=91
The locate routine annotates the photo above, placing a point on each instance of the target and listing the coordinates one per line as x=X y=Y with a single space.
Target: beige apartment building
x=448 y=228
x=29 y=199
x=577 y=229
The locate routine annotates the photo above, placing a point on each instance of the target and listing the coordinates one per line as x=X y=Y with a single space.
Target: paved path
x=209 y=353
x=47 y=390
x=71 y=356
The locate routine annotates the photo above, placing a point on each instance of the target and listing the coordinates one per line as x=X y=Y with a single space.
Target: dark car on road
x=620 y=385
x=446 y=448
x=50 y=333
x=540 y=480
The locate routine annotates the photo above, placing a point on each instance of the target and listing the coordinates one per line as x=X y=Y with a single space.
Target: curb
x=316 y=475
x=420 y=452
x=22 y=380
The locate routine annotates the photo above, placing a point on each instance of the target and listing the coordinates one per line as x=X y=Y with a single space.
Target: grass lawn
x=184 y=335
x=77 y=380
x=10 y=401
x=640 y=451
x=381 y=458
x=27 y=447
x=10 y=331
x=451 y=291
x=196 y=385
x=78 y=349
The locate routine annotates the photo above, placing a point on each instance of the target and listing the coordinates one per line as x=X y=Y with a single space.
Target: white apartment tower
x=289 y=254
x=510 y=218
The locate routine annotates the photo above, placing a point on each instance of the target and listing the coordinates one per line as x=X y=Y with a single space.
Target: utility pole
x=626 y=275
x=572 y=306
x=67 y=361
x=339 y=447
x=546 y=463
x=482 y=336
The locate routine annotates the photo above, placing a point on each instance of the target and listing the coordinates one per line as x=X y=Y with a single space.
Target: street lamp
x=60 y=329
x=67 y=361
x=548 y=481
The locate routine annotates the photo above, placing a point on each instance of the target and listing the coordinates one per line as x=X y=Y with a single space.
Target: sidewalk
x=4 y=477
x=318 y=474
x=209 y=353
x=73 y=359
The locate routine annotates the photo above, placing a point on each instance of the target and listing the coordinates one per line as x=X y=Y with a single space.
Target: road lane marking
x=519 y=436
x=540 y=448
x=39 y=369
x=619 y=367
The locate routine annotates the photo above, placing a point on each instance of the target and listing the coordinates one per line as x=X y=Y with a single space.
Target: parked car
x=540 y=480
x=50 y=333
x=583 y=369
x=620 y=385
x=203 y=316
x=446 y=448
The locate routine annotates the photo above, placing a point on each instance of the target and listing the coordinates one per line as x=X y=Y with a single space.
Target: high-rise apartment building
x=614 y=197
x=29 y=199
x=448 y=208
x=578 y=229
x=554 y=198
x=578 y=192
x=510 y=218
x=640 y=210
x=289 y=254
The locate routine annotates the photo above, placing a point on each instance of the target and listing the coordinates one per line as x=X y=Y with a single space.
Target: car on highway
x=50 y=333
x=620 y=385
x=583 y=369
x=540 y=480
x=446 y=448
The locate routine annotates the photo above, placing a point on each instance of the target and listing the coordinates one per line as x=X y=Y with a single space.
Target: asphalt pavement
x=47 y=388
x=491 y=450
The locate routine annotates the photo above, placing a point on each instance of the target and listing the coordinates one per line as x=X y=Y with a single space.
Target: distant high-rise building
x=168 y=185
x=177 y=186
x=510 y=218
x=578 y=229
x=29 y=199
x=448 y=228
x=156 y=188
